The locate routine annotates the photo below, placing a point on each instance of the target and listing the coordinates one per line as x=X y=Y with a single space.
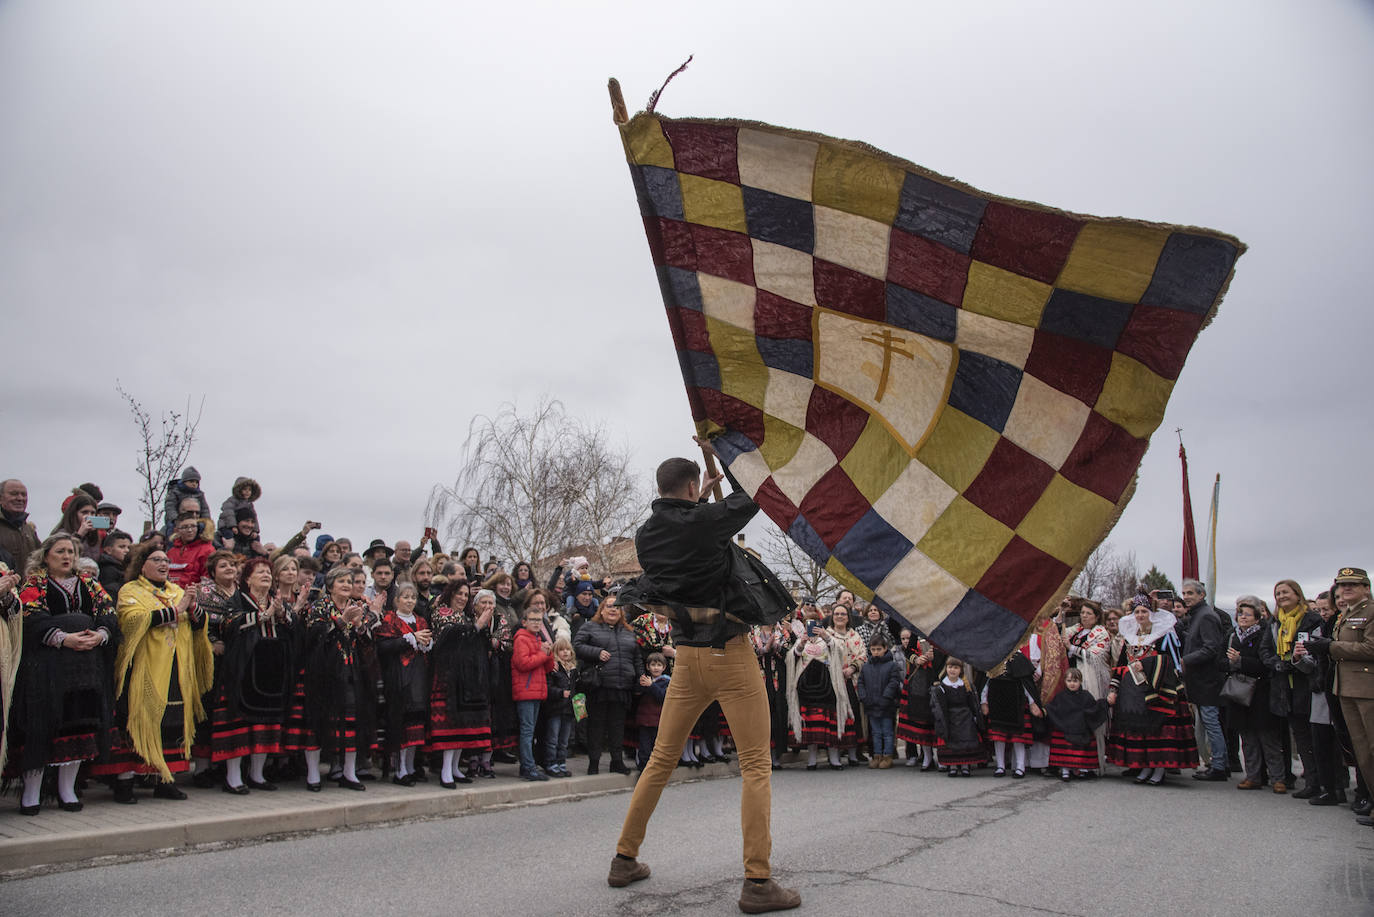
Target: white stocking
x=233 y=772
x=999 y=754
x=255 y=765
x=927 y=755
x=446 y=774
x=1019 y=753
x=833 y=754
x=350 y=766
x=66 y=780
x=811 y=755
x=33 y=785
x=312 y=765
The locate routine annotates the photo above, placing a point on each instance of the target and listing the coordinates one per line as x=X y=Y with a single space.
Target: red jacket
x=188 y=561
x=528 y=666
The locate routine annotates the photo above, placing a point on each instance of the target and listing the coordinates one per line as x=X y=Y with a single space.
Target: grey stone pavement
x=861 y=843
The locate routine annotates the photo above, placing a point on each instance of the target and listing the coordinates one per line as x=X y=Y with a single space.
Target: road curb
x=302 y=814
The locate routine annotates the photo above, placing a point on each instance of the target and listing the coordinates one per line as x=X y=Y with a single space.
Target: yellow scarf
x=1288 y=628
x=144 y=666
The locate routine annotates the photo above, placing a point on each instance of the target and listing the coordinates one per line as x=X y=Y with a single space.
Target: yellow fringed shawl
x=144 y=664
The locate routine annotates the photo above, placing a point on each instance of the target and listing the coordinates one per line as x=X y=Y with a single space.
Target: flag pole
x=712 y=470
x=1190 y=566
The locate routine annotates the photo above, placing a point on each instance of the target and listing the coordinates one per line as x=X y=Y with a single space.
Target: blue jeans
x=1216 y=739
x=880 y=729
x=558 y=732
x=528 y=712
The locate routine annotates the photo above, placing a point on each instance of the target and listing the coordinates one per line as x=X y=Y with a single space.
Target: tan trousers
x=701 y=675
x=1359 y=720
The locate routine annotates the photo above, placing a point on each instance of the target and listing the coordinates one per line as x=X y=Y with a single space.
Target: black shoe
x=1000 y=772
x=928 y=767
x=449 y=784
x=534 y=776
x=313 y=787
x=1210 y=776
x=1017 y=775
x=71 y=806
x=368 y=776
x=407 y=780
x=168 y=791
x=1325 y=799
x=837 y=767
x=593 y=768
x=420 y=775
x=462 y=778
x=29 y=810
x=485 y=772
x=812 y=767
x=346 y=784
x=124 y=792
x=1362 y=805
x=262 y=785
x=239 y=790
x=1130 y=772
x=1306 y=792
x=1365 y=820
x=205 y=780
x=618 y=767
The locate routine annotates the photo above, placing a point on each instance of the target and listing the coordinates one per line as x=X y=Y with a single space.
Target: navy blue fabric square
x=871 y=548
x=791 y=356
x=939 y=212
x=680 y=287
x=806 y=538
x=1190 y=272
x=699 y=369
x=1086 y=318
x=732 y=444
x=660 y=188
x=779 y=219
x=985 y=388
x=918 y=312
x=979 y=631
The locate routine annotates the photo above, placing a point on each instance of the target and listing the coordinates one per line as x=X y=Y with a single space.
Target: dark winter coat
x=1204 y=655
x=619 y=673
x=1290 y=693
x=178 y=491
x=1257 y=658
x=111 y=574
x=229 y=508
x=258 y=667
x=955 y=714
x=1077 y=714
x=880 y=685
x=558 y=681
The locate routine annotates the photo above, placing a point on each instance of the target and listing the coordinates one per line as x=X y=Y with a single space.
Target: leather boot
x=760 y=898
x=624 y=871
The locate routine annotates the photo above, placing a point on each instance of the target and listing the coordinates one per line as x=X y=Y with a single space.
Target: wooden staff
x=712 y=470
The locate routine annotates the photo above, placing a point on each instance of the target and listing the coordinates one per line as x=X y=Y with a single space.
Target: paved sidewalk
x=106 y=829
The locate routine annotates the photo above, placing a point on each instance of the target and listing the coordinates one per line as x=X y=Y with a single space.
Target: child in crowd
x=242 y=496
x=651 y=707
x=955 y=711
x=924 y=666
x=880 y=683
x=530 y=663
x=558 y=709
x=1074 y=717
x=1008 y=705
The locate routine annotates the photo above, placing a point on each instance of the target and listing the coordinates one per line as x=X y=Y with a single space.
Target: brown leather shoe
x=1280 y=786
x=759 y=898
x=1249 y=785
x=885 y=762
x=623 y=872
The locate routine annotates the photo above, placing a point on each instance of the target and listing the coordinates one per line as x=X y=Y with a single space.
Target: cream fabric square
x=855 y=242
x=787 y=397
x=1045 y=421
x=784 y=271
x=728 y=300
x=750 y=470
x=777 y=163
x=812 y=460
x=913 y=502
x=1006 y=341
x=921 y=590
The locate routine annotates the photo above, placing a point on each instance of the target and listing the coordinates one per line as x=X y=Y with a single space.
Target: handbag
x=1239 y=688
x=589 y=676
x=753 y=593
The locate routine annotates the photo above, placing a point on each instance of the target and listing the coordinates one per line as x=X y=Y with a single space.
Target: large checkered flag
x=941 y=395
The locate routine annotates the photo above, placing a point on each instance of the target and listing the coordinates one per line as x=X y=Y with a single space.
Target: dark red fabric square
x=833 y=506
x=723 y=253
x=708 y=150
x=843 y=290
x=1160 y=338
x=732 y=413
x=835 y=420
x=1011 y=481
x=1075 y=367
x=927 y=267
x=1104 y=459
x=774 y=502
x=689 y=330
x=697 y=402
x=1023 y=578
x=776 y=317
x=675 y=245
x=1030 y=242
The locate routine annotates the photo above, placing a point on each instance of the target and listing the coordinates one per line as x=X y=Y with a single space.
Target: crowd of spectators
x=200 y=649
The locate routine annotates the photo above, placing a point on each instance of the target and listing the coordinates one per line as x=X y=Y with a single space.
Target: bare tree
x=797 y=570
x=1092 y=578
x=166 y=446
x=532 y=484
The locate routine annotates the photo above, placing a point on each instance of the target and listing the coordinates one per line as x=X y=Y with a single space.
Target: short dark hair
x=118 y=534
x=674 y=474
x=656 y=657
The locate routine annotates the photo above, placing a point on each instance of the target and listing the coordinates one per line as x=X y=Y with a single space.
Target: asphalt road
x=861 y=843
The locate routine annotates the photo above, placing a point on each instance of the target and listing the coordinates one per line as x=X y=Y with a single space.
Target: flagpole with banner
x=1190 y=563
x=1212 y=542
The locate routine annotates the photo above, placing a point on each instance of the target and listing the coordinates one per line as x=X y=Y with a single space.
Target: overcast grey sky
x=353 y=226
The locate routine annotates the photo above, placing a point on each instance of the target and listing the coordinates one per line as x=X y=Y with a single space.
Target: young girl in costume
x=915 y=726
x=1074 y=716
x=1008 y=704
x=954 y=708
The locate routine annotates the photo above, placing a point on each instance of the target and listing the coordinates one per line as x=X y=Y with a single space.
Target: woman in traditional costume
x=1148 y=730
x=817 y=700
x=460 y=681
x=256 y=676
x=855 y=653
x=340 y=691
x=1089 y=647
x=505 y=621
x=915 y=723
x=403 y=642
x=215 y=597
x=63 y=700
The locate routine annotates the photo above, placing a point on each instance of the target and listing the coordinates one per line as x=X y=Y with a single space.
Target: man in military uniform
x=1352 y=649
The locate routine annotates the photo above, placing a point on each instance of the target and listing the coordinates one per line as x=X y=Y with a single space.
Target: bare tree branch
x=165 y=448
x=797 y=570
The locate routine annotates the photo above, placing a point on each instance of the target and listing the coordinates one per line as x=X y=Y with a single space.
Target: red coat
x=188 y=561
x=528 y=666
